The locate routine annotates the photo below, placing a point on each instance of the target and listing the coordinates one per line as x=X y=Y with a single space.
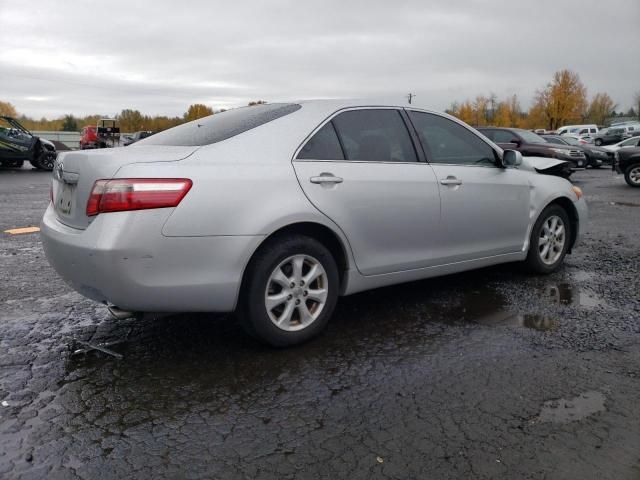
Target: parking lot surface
x=487 y=374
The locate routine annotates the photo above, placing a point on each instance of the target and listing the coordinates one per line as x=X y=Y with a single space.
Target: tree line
x=561 y=102
x=128 y=120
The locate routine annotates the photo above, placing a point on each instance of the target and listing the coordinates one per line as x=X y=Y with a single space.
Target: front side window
x=373 y=135
x=324 y=145
x=445 y=141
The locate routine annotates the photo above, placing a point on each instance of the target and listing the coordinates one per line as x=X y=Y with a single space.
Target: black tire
x=629 y=178
x=252 y=310
x=598 y=142
x=45 y=160
x=534 y=260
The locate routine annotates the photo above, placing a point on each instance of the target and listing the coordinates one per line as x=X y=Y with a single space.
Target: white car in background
x=628 y=143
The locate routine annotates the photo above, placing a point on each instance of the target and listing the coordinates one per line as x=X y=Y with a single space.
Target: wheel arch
x=574 y=218
x=320 y=232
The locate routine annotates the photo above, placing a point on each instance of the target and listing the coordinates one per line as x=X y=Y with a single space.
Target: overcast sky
x=159 y=56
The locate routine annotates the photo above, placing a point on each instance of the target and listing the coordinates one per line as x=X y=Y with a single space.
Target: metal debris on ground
x=88 y=347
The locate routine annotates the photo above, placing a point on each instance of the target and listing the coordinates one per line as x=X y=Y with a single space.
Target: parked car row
x=533 y=145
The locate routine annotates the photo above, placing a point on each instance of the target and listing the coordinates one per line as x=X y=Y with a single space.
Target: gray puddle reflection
x=488 y=307
x=565 y=411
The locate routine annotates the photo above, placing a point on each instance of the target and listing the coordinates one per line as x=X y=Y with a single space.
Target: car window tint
x=446 y=141
x=504 y=136
x=220 y=126
x=374 y=136
x=324 y=145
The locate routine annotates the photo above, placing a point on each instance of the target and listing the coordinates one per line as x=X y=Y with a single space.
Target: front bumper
x=123 y=259
x=583 y=218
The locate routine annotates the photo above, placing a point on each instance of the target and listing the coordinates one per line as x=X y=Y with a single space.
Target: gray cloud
x=161 y=56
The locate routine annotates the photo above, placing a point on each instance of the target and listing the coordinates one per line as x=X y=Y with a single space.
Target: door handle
x=451 y=180
x=326 y=178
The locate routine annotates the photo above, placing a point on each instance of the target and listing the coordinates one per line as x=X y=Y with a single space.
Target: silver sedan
x=273 y=211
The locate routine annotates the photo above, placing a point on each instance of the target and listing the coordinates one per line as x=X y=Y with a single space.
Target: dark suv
x=627 y=161
x=533 y=145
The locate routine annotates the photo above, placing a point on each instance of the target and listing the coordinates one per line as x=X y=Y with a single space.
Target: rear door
x=362 y=170
x=485 y=208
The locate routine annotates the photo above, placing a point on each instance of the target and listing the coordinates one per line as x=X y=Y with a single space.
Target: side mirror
x=511 y=158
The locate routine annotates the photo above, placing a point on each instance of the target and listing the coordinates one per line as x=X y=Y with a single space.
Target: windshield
x=220 y=126
x=530 y=137
x=12 y=129
x=571 y=140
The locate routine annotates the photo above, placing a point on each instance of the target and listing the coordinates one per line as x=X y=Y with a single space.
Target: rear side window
x=324 y=145
x=447 y=142
x=220 y=126
x=373 y=135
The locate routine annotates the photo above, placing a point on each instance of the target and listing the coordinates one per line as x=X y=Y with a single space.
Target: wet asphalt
x=488 y=374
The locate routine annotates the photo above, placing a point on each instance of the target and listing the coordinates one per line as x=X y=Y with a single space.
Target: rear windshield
x=220 y=126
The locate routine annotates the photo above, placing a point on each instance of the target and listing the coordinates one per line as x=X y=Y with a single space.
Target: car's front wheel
x=598 y=142
x=632 y=175
x=549 y=240
x=290 y=291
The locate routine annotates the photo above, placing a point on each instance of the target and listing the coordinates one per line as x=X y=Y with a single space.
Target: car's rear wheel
x=290 y=291
x=632 y=175
x=598 y=142
x=549 y=240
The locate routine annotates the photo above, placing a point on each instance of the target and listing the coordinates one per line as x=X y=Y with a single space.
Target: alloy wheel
x=296 y=292
x=552 y=239
x=634 y=175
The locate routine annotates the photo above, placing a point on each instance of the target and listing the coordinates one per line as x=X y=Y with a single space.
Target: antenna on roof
x=410 y=96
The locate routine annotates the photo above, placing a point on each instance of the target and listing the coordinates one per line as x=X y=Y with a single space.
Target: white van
x=580 y=130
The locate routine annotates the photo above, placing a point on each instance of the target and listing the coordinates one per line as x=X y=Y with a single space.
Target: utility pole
x=410 y=96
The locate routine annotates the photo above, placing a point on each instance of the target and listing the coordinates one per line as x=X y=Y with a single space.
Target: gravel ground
x=487 y=374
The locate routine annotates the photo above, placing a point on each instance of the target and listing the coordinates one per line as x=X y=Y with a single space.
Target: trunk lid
x=75 y=173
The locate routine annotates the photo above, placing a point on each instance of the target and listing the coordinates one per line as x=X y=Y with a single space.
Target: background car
x=580 y=130
x=130 y=139
x=17 y=145
x=596 y=156
x=628 y=143
x=275 y=210
x=627 y=162
x=531 y=144
x=89 y=138
x=610 y=135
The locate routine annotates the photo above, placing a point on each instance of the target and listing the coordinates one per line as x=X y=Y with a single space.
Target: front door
x=485 y=208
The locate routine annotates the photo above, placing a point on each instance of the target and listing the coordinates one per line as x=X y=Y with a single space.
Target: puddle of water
x=510 y=319
x=578 y=408
x=567 y=294
x=582 y=276
x=487 y=307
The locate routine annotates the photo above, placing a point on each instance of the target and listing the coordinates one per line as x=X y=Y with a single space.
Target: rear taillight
x=123 y=194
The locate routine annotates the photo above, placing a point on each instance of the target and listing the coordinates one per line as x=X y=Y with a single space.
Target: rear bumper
x=123 y=259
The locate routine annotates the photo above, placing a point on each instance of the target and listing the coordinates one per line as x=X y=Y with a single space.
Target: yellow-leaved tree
x=8 y=110
x=196 y=111
x=562 y=101
x=600 y=108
